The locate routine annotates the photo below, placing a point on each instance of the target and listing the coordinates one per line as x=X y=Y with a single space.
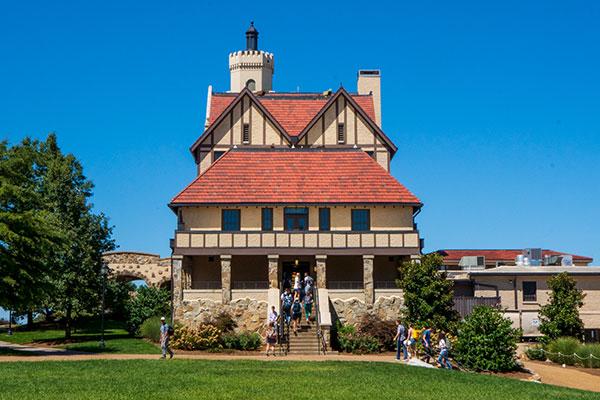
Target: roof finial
x=251 y=37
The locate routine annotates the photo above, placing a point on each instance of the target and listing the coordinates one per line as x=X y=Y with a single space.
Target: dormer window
x=341 y=133
x=246 y=134
x=251 y=85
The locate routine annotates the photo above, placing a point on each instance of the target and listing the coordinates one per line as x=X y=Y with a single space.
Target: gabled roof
x=230 y=106
x=504 y=255
x=293 y=176
x=292 y=113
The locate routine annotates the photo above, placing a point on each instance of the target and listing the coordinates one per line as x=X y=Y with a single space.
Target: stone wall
x=155 y=271
x=350 y=311
x=249 y=314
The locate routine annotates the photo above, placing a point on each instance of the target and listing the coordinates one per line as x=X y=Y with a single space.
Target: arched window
x=251 y=84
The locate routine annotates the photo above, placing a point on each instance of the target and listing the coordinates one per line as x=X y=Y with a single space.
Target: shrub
x=560 y=317
x=351 y=341
x=536 y=353
x=384 y=331
x=203 y=337
x=587 y=350
x=487 y=341
x=566 y=346
x=150 y=329
x=241 y=341
x=224 y=322
x=147 y=302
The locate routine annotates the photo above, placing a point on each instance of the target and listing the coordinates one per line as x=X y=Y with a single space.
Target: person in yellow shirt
x=415 y=334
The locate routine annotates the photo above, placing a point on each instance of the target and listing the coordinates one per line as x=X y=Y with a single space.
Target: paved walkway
x=576 y=378
x=35 y=350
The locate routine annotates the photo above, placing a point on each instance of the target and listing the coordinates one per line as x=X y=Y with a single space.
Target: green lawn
x=86 y=339
x=195 y=379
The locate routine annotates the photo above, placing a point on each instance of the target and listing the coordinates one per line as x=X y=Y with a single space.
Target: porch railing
x=250 y=285
x=464 y=305
x=386 y=285
x=345 y=285
x=206 y=285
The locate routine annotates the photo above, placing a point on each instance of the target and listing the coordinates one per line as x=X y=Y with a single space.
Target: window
x=180 y=219
x=324 y=219
x=341 y=133
x=296 y=219
x=230 y=220
x=361 y=220
x=217 y=155
x=267 y=219
x=246 y=134
x=529 y=291
x=371 y=154
x=251 y=84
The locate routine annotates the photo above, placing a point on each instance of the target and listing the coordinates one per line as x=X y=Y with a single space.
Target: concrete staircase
x=306 y=341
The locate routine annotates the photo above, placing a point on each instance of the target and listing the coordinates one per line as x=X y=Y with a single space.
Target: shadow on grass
x=81 y=338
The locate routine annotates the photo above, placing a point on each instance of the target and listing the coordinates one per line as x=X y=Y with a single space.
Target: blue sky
x=495 y=106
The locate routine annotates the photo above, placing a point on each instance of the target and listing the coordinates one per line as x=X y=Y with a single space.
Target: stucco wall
x=389 y=218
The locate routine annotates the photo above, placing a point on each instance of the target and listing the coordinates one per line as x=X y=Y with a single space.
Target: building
x=456 y=259
x=291 y=182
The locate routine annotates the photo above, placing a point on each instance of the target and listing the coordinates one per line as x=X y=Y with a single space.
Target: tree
x=66 y=192
x=27 y=230
x=487 y=341
x=428 y=295
x=560 y=317
x=147 y=302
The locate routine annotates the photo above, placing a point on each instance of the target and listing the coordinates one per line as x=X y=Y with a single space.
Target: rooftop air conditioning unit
x=566 y=261
x=534 y=255
x=472 y=262
x=551 y=260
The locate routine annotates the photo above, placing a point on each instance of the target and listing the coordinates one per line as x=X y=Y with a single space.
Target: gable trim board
x=229 y=109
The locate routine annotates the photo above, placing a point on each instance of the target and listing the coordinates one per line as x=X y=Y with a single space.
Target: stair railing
x=283 y=329
x=322 y=343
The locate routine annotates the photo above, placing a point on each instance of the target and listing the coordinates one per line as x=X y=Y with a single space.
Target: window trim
x=215 y=158
x=328 y=211
x=341 y=133
x=529 y=298
x=285 y=225
x=246 y=133
x=262 y=220
x=239 y=220
x=354 y=223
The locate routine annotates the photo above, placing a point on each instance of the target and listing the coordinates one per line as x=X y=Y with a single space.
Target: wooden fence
x=464 y=305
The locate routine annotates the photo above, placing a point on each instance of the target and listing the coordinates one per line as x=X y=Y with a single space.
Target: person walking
x=309 y=282
x=272 y=316
x=271 y=338
x=165 y=334
x=443 y=360
x=426 y=341
x=308 y=304
x=416 y=334
x=286 y=305
x=407 y=342
x=400 y=338
x=297 y=284
x=296 y=314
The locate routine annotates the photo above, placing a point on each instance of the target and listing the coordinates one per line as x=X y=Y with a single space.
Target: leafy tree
x=428 y=295
x=487 y=341
x=560 y=317
x=147 y=302
x=66 y=192
x=27 y=230
x=118 y=295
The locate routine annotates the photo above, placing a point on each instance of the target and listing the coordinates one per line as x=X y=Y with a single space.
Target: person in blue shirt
x=400 y=338
x=165 y=335
x=426 y=340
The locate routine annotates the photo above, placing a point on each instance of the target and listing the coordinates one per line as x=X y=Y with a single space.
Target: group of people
x=407 y=339
x=300 y=301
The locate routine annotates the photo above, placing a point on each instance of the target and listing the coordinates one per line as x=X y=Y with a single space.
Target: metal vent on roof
x=472 y=262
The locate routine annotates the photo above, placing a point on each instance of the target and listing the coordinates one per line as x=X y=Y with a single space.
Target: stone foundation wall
x=249 y=314
x=351 y=311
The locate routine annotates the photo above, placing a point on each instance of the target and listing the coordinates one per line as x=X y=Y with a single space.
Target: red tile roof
x=508 y=255
x=293 y=111
x=295 y=176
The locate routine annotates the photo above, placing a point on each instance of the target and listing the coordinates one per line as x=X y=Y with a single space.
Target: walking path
x=35 y=350
x=576 y=378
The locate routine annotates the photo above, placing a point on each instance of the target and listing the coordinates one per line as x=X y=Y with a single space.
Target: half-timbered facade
x=291 y=182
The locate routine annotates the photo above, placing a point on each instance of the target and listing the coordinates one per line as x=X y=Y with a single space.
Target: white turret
x=251 y=68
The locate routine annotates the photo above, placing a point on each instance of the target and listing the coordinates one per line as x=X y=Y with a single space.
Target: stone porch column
x=321 y=271
x=226 y=278
x=369 y=287
x=177 y=282
x=186 y=273
x=273 y=260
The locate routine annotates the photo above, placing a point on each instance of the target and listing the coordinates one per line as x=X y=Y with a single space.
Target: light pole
x=103 y=272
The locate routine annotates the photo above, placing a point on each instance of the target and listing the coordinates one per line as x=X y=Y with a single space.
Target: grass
x=199 y=379
x=86 y=339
